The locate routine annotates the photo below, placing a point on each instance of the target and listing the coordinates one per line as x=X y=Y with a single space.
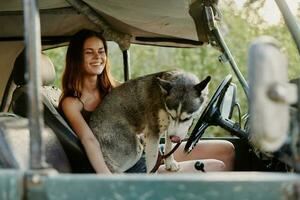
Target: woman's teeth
x=95 y=64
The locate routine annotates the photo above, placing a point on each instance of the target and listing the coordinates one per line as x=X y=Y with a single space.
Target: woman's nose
x=97 y=55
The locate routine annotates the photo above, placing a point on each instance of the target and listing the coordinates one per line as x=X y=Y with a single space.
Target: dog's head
x=184 y=96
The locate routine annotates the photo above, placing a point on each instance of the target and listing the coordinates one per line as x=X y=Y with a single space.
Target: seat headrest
x=47 y=70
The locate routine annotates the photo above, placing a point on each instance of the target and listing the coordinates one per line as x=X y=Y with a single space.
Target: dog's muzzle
x=175 y=139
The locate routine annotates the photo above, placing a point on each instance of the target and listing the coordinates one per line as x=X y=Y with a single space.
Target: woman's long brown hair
x=72 y=79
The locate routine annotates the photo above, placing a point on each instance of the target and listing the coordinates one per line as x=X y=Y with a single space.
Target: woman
x=86 y=81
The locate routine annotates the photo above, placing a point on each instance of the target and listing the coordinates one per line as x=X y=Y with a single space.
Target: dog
x=164 y=102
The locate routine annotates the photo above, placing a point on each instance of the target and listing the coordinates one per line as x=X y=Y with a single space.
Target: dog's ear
x=164 y=85
x=202 y=85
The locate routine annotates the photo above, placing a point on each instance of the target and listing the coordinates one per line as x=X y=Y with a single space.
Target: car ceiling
x=155 y=22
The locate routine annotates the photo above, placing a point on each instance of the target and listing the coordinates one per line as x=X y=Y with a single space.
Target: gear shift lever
x=199 y=166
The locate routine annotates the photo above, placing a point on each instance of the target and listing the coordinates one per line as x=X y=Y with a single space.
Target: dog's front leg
x=151 y=151
x=170 y=162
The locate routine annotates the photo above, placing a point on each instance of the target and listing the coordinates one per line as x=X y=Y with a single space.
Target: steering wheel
x=206 y=116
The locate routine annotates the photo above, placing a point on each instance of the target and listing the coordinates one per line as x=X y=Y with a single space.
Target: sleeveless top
x=85 y=113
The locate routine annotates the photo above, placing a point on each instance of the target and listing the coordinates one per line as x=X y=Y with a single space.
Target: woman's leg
x=221 y=150
x=189 y=166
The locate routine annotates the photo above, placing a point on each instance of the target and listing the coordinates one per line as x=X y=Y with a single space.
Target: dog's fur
x=164 y=102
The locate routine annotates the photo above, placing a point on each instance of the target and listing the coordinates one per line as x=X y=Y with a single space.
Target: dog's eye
x=174 y=118
x=186 y=119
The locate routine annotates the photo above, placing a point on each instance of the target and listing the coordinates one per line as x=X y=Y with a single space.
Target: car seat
x=15 y=145
x=53 y=119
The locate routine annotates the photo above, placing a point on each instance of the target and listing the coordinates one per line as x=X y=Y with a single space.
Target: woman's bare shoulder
x=71 y=103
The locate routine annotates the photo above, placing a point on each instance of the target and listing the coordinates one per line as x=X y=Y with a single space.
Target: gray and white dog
x=165 y=102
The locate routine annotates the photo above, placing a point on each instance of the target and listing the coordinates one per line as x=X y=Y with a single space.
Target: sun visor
x=197 y=11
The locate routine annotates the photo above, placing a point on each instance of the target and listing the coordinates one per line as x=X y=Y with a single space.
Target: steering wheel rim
x=202 y=122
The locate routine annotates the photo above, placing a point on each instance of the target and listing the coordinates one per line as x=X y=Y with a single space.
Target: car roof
x=156 y=22
x=150 y=22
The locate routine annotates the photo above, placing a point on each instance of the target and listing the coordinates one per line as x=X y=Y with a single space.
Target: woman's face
x=94 y=56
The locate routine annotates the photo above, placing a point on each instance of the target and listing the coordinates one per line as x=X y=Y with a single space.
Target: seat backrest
x=15 y=145
x=50 y=98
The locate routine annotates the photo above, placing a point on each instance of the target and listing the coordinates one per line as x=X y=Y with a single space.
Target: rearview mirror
x=270 y=94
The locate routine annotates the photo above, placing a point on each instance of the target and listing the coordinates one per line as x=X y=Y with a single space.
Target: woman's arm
x=71 y=108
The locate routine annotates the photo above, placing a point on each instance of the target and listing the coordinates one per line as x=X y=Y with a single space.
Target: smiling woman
x=86 y=80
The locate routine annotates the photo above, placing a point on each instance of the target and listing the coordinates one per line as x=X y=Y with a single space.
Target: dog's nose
x=175 y=139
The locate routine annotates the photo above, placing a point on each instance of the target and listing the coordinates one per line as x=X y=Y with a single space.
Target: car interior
x=61 y=139
x=64 y=141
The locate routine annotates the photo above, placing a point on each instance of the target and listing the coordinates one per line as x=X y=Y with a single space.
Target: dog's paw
x=172 y=166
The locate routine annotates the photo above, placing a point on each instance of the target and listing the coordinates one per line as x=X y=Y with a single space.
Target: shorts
x=139 y=166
